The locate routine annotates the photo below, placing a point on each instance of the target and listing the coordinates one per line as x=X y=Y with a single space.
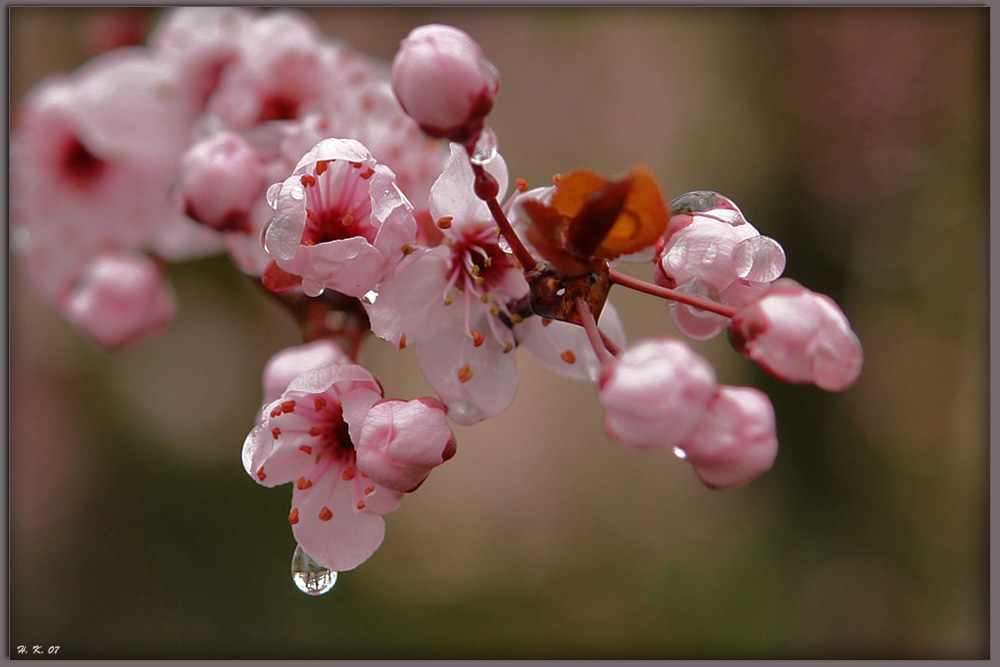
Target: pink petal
x=735 y=441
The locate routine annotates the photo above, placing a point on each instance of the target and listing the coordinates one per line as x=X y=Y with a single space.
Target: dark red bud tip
x=485 y=185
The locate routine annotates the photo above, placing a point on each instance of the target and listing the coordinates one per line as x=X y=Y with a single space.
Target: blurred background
x=858 y=137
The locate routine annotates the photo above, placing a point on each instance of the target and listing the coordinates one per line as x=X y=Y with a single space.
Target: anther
x=321 y=167
x=516 y=319
x=311 y=214
x=307 y=449
x=325 y=514
x=546 y=321
x=307 y=180
x=356 y=165
x=444 y=222
x=402 y=341
x=407 y=249
x=293 y=518
x=303 y=484
x=448 y=300
x=319 y=402
x=361 y=504
x=276 y=432
x=568 y=356
x=260 y=474
x=507 y=348
x=367 y=173
x=522 y=185
x=315 y=431
x=347 y=220
x=288 y=406
x=276 y=411
x=347 y=475
x=494 y=311
x=370 y=490
x=485 y=298
x=464 y=373
x=477 y=338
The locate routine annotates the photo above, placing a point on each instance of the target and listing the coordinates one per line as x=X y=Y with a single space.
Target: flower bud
x=401 y=441
x=120 y=299
x=443 y=81
x=655 y=392
x=735 y=440
x=799 y=336
x=221 y=177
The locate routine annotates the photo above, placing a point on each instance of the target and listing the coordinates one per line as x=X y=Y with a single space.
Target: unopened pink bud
x=444 y=82
x=735 y=440
x=120 y=299
x=401 y=441
x=655 y=392
x=799 y=336
x=221 y=177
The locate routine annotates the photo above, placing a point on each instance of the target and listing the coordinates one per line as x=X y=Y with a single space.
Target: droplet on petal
x=760 y=259
x=309 y=576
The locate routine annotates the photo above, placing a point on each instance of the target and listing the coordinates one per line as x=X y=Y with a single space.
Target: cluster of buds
x=308 y=163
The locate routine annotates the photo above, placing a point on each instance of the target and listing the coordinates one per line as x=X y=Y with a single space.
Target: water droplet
x=706 y=200
x=504 y=246
x=486 y=147
x=370 y=296
x=309 y=576
x=759 y=259
x=679 y=453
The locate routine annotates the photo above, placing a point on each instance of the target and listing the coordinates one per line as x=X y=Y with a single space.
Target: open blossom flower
x=799 y=336
x=711 y=251
x=735 y=440
x=444 y=82
x=401 y=441
x=96 y=153
x=451 y=300
x=340 y=221
x=655 y=392
x=121 y=298
x=306 y=437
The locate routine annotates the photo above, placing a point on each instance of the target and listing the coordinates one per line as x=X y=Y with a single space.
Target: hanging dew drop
x=309 y=576
x=486 y=147
x=680 y=453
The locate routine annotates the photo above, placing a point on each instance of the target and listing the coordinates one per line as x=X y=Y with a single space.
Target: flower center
x=81 y=166
x=338 y=205
x=479 y=262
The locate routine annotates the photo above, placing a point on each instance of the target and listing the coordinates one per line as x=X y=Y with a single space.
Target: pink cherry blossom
x=292 y=362
x=201 y=42
x=120 y=299
x=735 y=440
x=799 y=336
x=96 y=154
x=655 y=392
x=401 y=441
x=451 y=300
x=444 y=82
x=340 y=221
x=711 y=251
x=306 y=437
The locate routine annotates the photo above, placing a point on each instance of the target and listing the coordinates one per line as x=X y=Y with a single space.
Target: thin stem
x=671 y=294
x=507 y=231
x=597 y=339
